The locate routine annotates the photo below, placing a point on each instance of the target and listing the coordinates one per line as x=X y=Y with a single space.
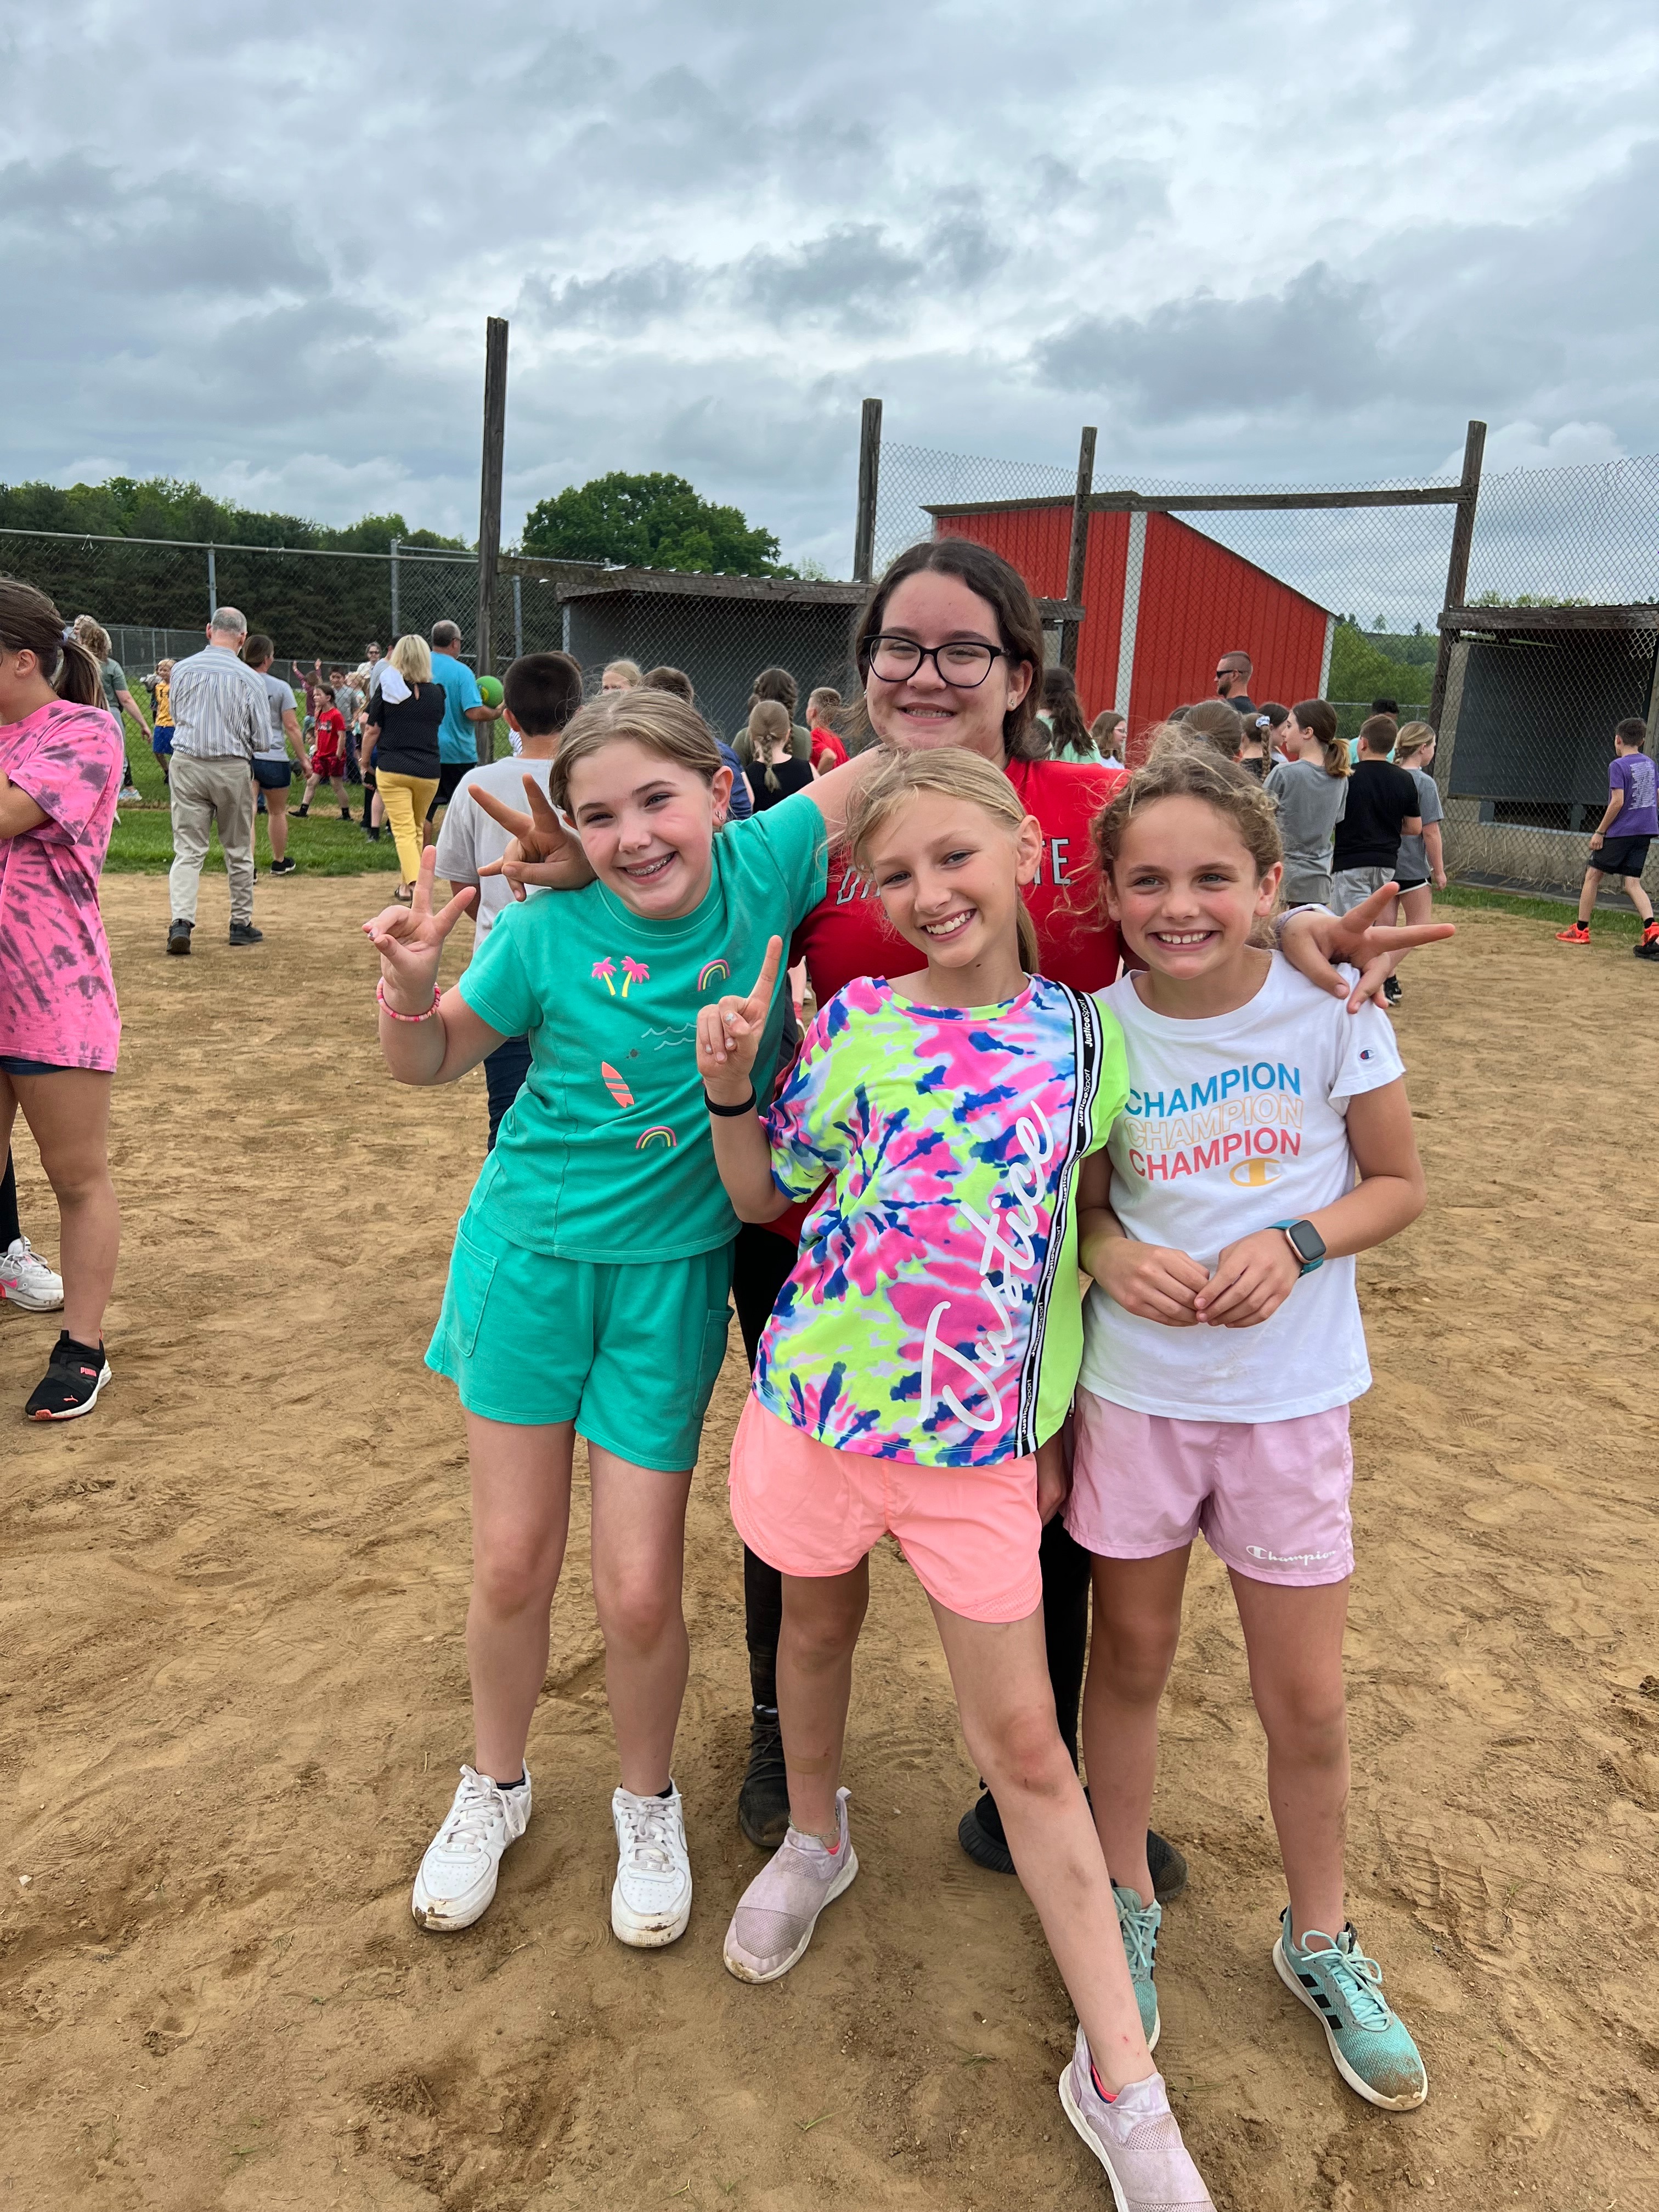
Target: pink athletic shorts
x=1270 y=1497
x=970 y=1533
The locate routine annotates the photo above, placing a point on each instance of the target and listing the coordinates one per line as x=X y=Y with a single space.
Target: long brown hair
x=1019 y=625
x=1065 y=711
x=1318 y=717
x=958 y=773
x=30 y=623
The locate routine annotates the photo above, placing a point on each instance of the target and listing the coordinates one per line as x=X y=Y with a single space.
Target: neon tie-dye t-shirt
x=934 y=1315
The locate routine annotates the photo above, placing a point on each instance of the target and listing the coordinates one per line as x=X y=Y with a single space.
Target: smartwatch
x=1305 y=1240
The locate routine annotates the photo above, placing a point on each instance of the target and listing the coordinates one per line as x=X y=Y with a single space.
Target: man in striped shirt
x=220 y=720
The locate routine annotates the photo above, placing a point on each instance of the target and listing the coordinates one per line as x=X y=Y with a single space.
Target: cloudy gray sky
x=1251 y=242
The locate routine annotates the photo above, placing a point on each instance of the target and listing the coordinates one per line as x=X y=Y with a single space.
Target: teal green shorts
x=630 y=1354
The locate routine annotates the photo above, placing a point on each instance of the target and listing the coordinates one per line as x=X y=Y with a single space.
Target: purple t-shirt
x=1633 y=774
x=57 y=993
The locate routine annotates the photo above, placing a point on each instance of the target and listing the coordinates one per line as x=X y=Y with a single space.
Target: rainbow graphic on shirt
x=659 y=1135
x=713 y=971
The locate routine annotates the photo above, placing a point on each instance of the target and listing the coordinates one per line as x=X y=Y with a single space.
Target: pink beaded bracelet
x=437 y=998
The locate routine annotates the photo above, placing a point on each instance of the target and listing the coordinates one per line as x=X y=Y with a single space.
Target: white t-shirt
x=468 y=836
x=1232 y=1124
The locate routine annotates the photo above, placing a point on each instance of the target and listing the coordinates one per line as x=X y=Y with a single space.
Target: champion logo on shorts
x=1287 y=1558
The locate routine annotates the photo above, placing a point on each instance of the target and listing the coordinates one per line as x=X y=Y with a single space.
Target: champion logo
x=1367 y=1054
x=1287 y=1558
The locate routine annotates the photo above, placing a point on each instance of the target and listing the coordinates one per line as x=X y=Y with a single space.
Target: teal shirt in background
x=605 y=1153
x=458 y=739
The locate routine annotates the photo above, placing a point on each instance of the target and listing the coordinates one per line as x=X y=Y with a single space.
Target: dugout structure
x=1160 y=600
x=1525 y=734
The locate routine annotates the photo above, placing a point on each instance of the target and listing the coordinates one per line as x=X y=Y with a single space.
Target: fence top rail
x=1241 y=503
x=236 y=545
x=1488 y=620
x=699 y=583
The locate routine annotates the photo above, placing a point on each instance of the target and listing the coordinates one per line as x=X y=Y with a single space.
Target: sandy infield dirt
x=235 y=1697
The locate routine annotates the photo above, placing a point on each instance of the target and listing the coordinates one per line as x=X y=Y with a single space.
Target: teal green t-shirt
x=605 y=1153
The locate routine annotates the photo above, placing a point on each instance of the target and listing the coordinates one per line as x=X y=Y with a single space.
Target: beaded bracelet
x=437 y=998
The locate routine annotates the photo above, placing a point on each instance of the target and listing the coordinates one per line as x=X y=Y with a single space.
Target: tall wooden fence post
x=490 y=504
x=1080 y=554
x=864 y=536
x=1457 y=567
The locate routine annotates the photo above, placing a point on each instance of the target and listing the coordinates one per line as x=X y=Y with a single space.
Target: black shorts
x=1620 y=856
x=452 y=775
x=1410 y=884
x=273 y=775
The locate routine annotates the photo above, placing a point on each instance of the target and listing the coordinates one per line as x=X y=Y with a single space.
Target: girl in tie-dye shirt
x=923 y=1355
x=60 y=775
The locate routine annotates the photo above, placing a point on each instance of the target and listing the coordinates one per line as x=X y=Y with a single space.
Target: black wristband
x=750 y=1105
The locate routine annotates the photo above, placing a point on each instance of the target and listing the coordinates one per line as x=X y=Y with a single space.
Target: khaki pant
x=406 y=798
x=203 y=793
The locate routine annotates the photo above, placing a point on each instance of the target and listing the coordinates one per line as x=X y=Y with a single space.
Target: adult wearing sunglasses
x=950 y=647
x=1232 y=680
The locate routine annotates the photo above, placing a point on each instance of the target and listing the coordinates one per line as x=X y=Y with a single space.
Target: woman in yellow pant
x=405 y=710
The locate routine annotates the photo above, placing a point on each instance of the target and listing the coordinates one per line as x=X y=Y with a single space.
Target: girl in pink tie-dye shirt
x=60 y=774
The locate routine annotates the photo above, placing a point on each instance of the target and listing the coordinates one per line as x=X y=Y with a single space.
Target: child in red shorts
x=327 y=757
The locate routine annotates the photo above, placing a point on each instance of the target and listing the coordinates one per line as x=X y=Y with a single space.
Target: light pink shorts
x=1270 y=1497
x=970 y=1534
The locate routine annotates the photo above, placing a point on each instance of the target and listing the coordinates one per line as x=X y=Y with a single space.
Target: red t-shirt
x=826 y=741
x=328 y=732
x=847 y=935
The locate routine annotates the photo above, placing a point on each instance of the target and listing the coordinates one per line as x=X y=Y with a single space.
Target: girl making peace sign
x=588 y=1286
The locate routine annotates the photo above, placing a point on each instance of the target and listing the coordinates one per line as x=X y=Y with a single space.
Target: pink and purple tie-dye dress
x=934 y=1315
x=56 y=993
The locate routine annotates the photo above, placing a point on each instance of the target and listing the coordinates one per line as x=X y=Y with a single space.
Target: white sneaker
x=456 y=1879
x=651 y=1897
x=27 y=1280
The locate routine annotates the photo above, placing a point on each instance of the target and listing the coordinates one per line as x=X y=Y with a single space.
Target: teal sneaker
x=1140 y=1923
x=1370 y=2044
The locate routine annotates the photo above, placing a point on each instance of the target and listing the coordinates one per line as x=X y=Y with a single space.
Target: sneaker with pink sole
x=773 y=1922
x=1137 y=2139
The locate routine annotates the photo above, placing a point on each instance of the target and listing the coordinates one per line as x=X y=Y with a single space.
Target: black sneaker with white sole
x=283 y=867
x=179 y=937
x=244 y=932
x=75 y=1373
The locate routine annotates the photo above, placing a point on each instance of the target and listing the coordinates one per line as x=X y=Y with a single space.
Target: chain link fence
x=1335 y=591
x=1351 y=592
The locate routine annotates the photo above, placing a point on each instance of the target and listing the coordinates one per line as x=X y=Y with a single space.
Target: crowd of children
x=1214 y=1136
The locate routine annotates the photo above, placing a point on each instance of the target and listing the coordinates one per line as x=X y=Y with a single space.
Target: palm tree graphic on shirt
x=634 y=971
x=603 y=971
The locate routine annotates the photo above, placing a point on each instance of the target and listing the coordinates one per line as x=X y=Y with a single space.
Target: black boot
x=763 y=1800
x=980 y=1833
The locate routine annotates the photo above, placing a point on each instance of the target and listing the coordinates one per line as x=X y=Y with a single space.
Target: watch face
x=1307 y=1241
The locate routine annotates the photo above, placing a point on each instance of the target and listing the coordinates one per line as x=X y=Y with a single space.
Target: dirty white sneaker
x=26 y=1279
x=456 y=1879
x=1137 y=2139
x=651 y=1897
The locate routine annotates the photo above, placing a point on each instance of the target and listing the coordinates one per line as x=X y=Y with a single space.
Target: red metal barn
x=1162 y=601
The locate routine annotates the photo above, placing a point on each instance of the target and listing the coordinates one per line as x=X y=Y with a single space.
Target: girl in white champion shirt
x=1267 y=1138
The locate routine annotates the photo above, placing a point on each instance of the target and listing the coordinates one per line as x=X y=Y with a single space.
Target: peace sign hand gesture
x=544 y=850
x=410 y=940
x=729 y=1035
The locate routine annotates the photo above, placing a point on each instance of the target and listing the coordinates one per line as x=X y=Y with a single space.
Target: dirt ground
x=234 y=1697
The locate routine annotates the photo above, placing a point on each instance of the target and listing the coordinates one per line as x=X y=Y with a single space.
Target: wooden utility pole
x=1457 y=568
x=864 y=537
x=490 y=503
x=1085 y=484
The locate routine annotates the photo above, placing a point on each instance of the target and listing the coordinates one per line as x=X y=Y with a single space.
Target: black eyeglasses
x=963 y=664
